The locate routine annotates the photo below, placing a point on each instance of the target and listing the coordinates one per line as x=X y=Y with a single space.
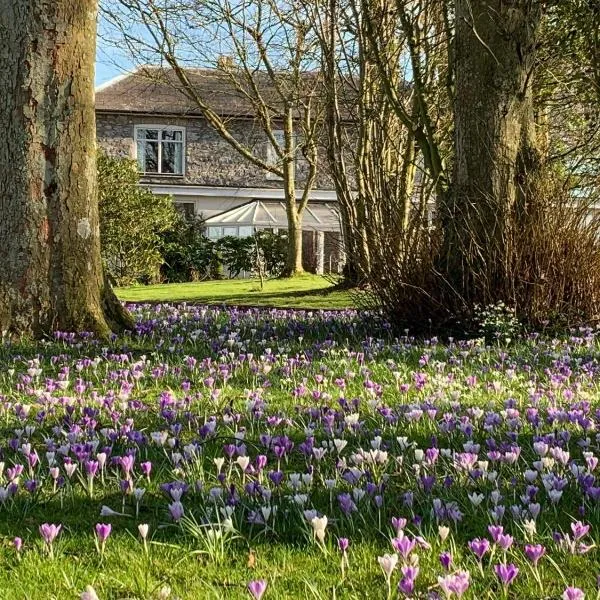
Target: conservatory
x=321 y=229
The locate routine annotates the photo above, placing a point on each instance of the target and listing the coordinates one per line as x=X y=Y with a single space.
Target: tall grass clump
x=545 y=267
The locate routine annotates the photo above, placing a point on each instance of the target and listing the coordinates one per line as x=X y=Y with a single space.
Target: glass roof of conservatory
x=262 y=214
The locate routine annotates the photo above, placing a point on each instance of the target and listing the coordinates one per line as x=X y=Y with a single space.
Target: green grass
x=294 y=566
x=306 y=291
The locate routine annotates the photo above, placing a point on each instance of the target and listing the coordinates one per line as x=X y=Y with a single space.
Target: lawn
x=307 y=291
x=314 y=451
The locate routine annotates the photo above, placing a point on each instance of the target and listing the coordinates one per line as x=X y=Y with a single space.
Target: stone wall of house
x=209 y=160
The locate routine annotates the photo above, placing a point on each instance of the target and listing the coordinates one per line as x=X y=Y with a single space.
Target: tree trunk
x=294 y=257
x=50 y=273
x=293 y=210
x=495 y=55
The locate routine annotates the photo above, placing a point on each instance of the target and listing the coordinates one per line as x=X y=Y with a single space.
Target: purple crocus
x=446 y=560
x=479 y=547
x=573 y=593
x=18 y=544
x=406 y=585
x=404 y=545
x=146 y=467
x=257 y=588
x=506 y=573
x=103 y=531
x=343 y=544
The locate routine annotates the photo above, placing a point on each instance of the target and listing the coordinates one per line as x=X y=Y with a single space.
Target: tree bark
x=50 y=273
x=495 y=50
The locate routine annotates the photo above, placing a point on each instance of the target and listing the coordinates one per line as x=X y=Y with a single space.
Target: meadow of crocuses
x=226 y=453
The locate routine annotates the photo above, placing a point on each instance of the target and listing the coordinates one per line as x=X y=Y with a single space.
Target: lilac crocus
x=457 y=583
x=504 y=541
x=573 y=593
x=406 y=585
x=257 y=588
x=495 y=531
x=146 y=467
x=17 y=543
x=534 y=552
x=49 y=532
x=343 y=544
x=579 y=530
x=91 y=468
x=506 y=573
x=126 y=463
x=398 y=523
x=89 y=594
x=177 y=511
x=346 y=504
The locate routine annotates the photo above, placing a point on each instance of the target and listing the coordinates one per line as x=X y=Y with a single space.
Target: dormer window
x=160 y=149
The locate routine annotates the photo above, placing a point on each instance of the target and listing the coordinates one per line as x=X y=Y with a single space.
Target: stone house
x=181 y=155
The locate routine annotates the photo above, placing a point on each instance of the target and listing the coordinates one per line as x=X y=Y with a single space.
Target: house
x=181 y=155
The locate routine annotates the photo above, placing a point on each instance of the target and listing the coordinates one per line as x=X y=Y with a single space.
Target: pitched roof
x=154 y=90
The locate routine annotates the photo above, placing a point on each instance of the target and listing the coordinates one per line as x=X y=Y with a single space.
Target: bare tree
x=266 y=51
x=388 y=91
x=50 y=273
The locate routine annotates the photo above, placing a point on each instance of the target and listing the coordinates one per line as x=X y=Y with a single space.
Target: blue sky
x=109 y=63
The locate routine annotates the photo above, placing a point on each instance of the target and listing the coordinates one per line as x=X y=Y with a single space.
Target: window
x=272 y=157
x=160 y=149
x=186 y=209
x=215 y=233
x=245 y=231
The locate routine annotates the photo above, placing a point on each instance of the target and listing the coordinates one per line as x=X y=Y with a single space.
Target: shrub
x=188 y=254
x=131 y=222
x=274 y=250
x=237 y=254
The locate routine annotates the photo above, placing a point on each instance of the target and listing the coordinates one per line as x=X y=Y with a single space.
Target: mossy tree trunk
x=51 y=273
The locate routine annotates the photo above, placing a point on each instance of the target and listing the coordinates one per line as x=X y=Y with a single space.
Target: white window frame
x=160 y=129
x=212 y=235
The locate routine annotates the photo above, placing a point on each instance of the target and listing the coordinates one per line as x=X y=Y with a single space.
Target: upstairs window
x=272 y=157
x=160 y=149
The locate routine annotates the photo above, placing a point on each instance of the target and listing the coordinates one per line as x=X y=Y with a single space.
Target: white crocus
x=388 y=563
x=243 y=462
x=319 y=524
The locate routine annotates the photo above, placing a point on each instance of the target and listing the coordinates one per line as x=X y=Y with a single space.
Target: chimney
x=225 y=62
